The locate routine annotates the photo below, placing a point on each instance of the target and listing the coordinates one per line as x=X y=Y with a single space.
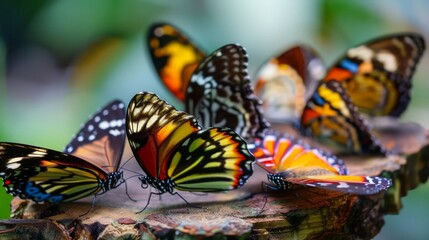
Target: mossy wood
x=301 y=213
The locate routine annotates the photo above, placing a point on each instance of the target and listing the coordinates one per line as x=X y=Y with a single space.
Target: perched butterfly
x=289 y=162
x=377 y=74
x=89 y=165
x=174 y=56
x=175 y=152
x=286 y=81
x=331 y=117
x=220 y=94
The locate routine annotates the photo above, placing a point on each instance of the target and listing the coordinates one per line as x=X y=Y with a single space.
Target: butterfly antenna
x=131 y=171
x=126 y=162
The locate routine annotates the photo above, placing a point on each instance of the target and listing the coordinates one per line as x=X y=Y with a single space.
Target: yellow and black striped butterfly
x=377 y=74
x=290 y=162
x=176 y=153
x=220 y=93
x=286 y=81
x=88 y=166
x=174 y=56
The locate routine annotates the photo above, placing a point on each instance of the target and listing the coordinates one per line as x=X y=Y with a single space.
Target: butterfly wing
x=278 y=152
x=286 y=81
x=101 y=140
x=359 y=185
x=46 y=175
x=220 y=93
x=170 y=145
x=154 y=130
x=377 y=75
x=211 y=160
x=174 y=56
x=331 y=117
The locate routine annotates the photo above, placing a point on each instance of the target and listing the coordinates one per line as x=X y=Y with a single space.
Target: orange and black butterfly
x=374 y=78
x=176 y=153
x=220 y=93
x=332 y=118
x=377 y=74
x=286 y=81
x=174 y=56
x=289 y=162
x=88 y=166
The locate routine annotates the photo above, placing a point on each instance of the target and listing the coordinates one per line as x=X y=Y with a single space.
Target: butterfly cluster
x=224 y=130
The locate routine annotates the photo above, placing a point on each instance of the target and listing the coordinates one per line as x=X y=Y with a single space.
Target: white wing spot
x=105 y=112
x=343 y=185
x=70 y=149
x=91 y=137
x=90 y=127
x=80 y=138
x=13 y=165
x=97 y=119
x=103 y=125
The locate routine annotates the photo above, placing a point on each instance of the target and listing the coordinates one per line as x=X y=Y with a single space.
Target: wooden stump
x=301 y=213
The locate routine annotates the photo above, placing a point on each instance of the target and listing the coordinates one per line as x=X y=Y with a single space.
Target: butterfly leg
x=92 y=206
x=192 y=205
x=265 y=186
x=148 y=201
x=126 y=192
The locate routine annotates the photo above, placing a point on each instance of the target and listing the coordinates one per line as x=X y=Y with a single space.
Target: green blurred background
x=61 y=60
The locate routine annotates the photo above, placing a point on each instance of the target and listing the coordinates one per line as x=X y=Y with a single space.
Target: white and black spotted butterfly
x=89 y=165
x=220 y=93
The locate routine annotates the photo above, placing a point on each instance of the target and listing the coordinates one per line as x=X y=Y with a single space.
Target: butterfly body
x=88 y=166
x=290 y=164
x=176 y=153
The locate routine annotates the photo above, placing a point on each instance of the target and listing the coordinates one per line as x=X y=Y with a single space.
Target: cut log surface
x=300 y=213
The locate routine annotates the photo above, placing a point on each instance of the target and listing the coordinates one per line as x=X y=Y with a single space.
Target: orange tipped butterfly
x=290 y=162
x=174 y=56
x=88 y=166
x=216 y=83
x=373 y=78
x=176 y=153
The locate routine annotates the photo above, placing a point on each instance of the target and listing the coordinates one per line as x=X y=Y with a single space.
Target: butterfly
x=220 y=93
x=289 y=162
x=88 y=166
x=176 y=153
x=286 y=81
x=332 y=118
x=174 y=56
x=377 y=74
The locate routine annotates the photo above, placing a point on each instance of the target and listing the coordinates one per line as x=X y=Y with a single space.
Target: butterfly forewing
x=220 y=93
x=154 y=129
x=331 y=117
x=214 y=159
x=286 y=81
x=101 y=140
x=174 y=56
x=377 y=75
x=42 y=175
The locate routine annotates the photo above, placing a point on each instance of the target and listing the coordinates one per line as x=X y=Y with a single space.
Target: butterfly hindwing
x=174 y=56
x=377 y=74
x=174 y=152
x=330 y=116
x=216 y=160
x=42 y=175
x=289 y=162
x=101 y=140
x=220 y=93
